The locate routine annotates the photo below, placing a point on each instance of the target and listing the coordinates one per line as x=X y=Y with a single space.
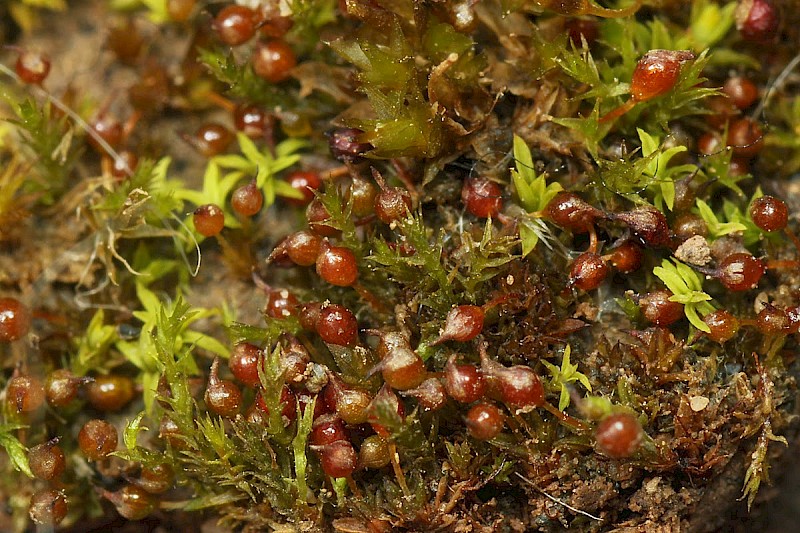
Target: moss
x=534 y=97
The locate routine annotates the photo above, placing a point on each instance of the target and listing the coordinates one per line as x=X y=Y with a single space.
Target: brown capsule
x=294 y=360
x=247 y=200
x=273 y=60
x=32 y=67
x=47 y=460
x=773 y=320
x=244 y=362
x=648 y=224
x=156 y=479
x=309 y=315
x=208 y=219
x=351 y=403
x=337 y=325
x=402 y=368
x=318 y=216
x=222 y=396
x=345 y=146
x=723 y=326
x=740 y=271
x=688 y=225
x=769 y=213
x=280 y=304
x=518 y=386
x=24 y=394
x=658 y=309
x=337 y=265
x=463 y=323
x=326 y=429
x=627 y=257
x=62 y=387
x=588 y=271
x=132 y=502
x=374 y=453
x=361 y=195
x=97 y=439
x=338 y=459
x=48 y=507
x=302 y=247
x=571 y=212
x=126 y=42
x=741 y=91
x=171 y=433
x=430 y=394
x=110 y=393
x=251 y=120
x=657 y=72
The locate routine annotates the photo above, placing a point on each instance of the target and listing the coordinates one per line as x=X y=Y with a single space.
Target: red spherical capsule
x=281 y=304
x=273 y=60
x=306 y=183
x=211 y=139
x=303 y=247
x=740 y=271
x=361 y=197
x=464 y=383
x=97 y=439
x=235 y=24
x=208 y=220
x=769 y=213
x=62 y=387
x=757 y=20
x=251 y=120
x=327 y=429
x=723 y=326
x=626 y=257
x=107 y=128
x=482 y=197
x=658 y=309
x=32 y=67
x=618 y=436
x=222 y=396
x=519 y=386
x=484 y=421
x=657 y=72
x=244 y=362
x=745 y=137
x=337 y=325
x=338 y=459
x=15 y=320
x=350 y=403
x=309 y=315
x=463 y=323
x=337 y=265
x=569 y=211
x=247 y=200
x=588 y=271
x=741 y=91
